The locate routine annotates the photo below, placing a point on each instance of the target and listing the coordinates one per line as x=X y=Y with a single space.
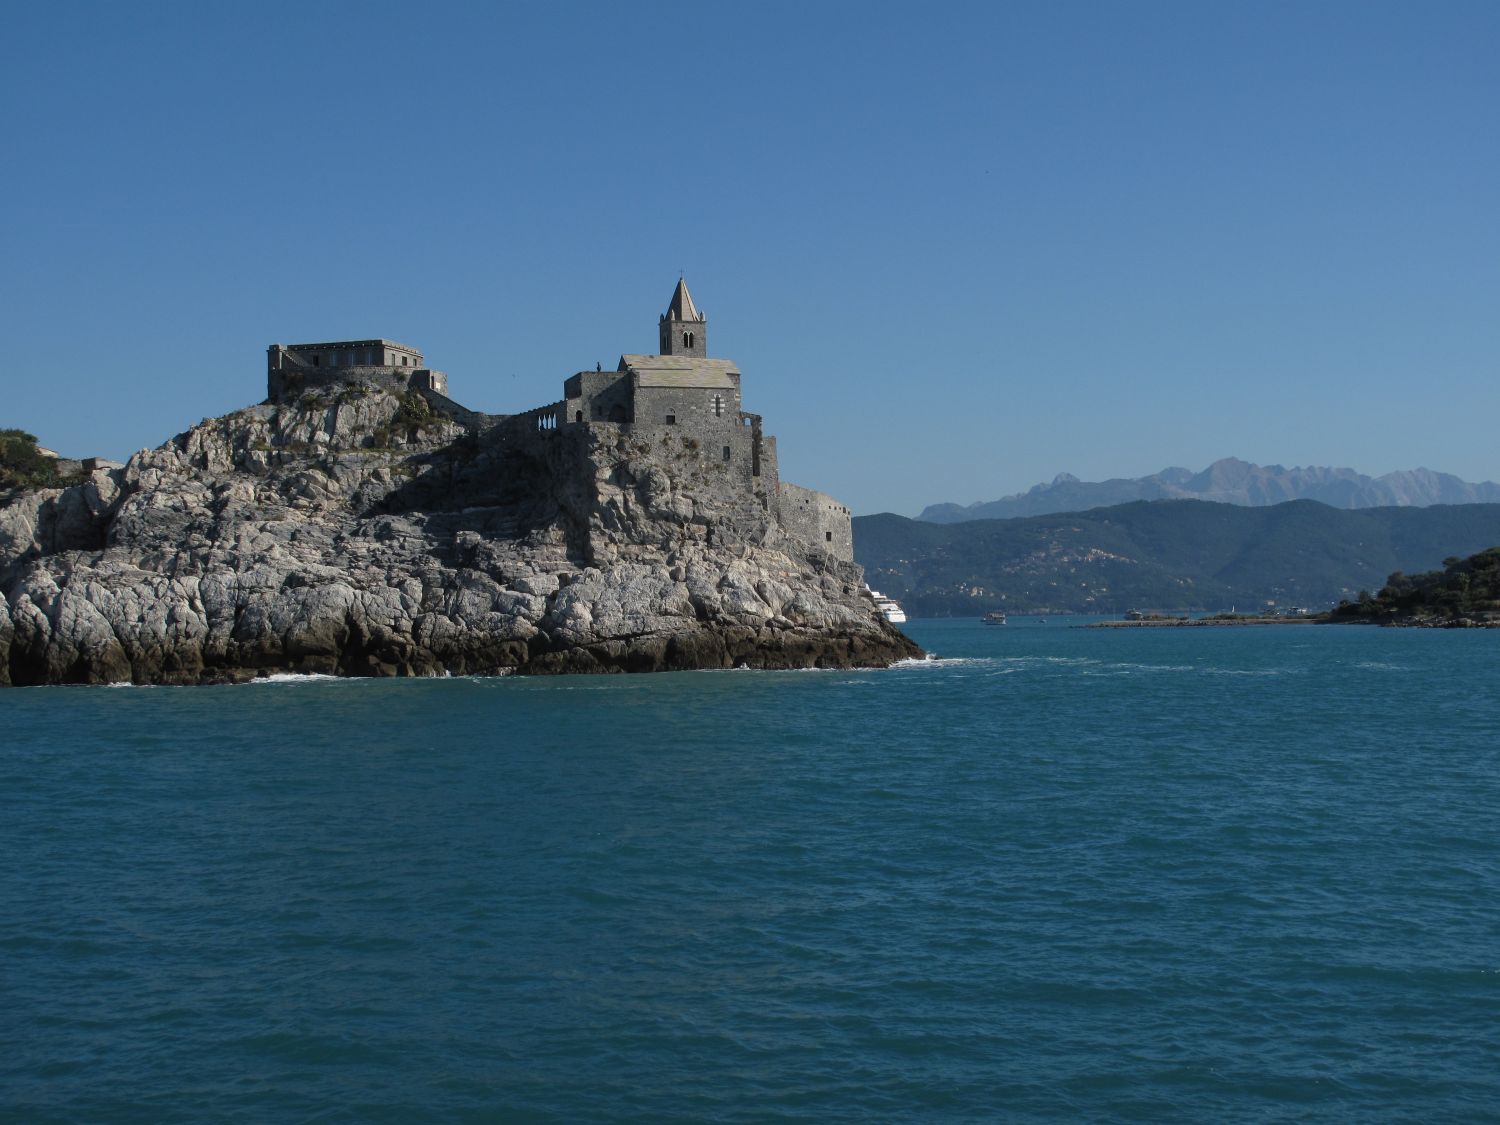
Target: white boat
x=995 y=617
x=888 y=607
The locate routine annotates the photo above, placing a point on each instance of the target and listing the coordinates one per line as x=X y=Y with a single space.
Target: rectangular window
x=828 y=537
x=671 y=419
x=726 y=453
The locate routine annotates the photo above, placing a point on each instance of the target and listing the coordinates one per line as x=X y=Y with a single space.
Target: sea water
x=1229 y=874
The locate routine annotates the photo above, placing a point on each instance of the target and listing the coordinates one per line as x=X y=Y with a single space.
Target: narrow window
x=403 y=361
x=578 y=415
x=687 y=339
x=317 y=361
x=671 y=419
x=718 y=406
x=726 y=453
x=828 y=537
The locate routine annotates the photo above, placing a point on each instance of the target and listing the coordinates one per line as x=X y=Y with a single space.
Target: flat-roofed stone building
x=298 y=368
x=682 y=399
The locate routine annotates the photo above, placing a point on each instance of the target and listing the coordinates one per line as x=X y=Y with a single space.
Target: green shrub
x=22 y=464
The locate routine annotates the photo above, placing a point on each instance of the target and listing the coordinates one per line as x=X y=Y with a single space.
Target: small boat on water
x=889 y=608
x=994 y=617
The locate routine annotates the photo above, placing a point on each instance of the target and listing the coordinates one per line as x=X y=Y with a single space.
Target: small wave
x=295 y=678
x=932 y=660
x=1254 y=671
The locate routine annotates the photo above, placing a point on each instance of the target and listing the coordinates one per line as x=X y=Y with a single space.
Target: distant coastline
x=1199 y=622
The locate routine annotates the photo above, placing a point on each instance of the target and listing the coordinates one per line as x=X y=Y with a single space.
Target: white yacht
x=889 y=607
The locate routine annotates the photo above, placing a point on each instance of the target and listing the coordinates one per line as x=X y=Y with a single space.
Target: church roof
x=681 y=371
x=682 y=307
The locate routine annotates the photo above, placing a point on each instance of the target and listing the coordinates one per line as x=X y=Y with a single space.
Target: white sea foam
x=1254 y=671
x=932 y=660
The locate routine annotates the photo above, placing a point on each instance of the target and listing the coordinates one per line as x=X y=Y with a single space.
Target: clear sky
x=956 y=249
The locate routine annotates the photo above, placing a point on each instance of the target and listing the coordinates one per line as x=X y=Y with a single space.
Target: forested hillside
x=1172 y=555
x=1464 y=591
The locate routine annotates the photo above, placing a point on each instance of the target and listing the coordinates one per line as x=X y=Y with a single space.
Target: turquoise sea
x=1055 y=875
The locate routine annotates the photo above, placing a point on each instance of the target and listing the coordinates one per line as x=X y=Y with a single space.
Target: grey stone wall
x=445 y=406
x=817 y=519
x=344 y=353
x=543 y=420
x=670 y=335
x=289 y=382
x=770 y=470
x=690 y=406
x=598 y=396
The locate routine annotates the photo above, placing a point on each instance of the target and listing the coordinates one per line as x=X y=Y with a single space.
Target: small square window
x=671 y=419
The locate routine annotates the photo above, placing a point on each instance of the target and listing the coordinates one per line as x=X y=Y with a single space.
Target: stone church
x=680 y=393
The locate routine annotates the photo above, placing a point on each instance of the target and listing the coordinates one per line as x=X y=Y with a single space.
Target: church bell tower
x=684 y=330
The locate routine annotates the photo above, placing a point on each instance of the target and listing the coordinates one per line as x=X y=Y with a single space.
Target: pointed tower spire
x=684 y=330
x=682 y=307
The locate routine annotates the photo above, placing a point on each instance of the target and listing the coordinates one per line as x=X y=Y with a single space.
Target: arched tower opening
x=683 y=328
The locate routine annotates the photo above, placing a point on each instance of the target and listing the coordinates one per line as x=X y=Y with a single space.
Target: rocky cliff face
x=371 y=536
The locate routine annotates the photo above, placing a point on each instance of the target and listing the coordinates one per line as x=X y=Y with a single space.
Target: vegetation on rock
x=22 y=464
x=1465 y=590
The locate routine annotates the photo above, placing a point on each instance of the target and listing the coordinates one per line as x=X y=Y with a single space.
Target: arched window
x=687 y=339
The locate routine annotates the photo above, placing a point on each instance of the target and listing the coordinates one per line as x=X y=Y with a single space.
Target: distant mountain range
x=1173 y=555
x=1230 y=481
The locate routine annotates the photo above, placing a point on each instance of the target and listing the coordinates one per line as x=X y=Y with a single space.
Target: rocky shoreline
x=372 y=536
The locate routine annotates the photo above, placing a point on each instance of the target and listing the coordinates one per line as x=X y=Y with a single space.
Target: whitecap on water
x=932 y=660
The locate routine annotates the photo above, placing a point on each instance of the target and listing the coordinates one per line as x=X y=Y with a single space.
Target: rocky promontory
x=372 y=535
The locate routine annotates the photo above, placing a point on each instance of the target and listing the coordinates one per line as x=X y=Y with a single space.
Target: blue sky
x=955 y=249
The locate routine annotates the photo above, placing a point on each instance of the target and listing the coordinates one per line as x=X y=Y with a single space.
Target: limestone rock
x=342 y=537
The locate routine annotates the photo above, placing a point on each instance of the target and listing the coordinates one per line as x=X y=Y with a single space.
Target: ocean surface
x=1216 y=875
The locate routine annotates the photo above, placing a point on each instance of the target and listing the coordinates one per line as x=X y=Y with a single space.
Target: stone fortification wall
x=598 y=396
x=702 y=409
x=817 y=519
x=344 y=353
x=473 y=419
x=543 y=420
x=288 y=382
x=725 y=460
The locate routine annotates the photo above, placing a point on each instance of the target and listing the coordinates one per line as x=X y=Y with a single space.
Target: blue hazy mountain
x=1230 y=481
x=1167 y=555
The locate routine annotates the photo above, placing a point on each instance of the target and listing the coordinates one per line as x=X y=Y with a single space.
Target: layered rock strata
x=372 y=536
